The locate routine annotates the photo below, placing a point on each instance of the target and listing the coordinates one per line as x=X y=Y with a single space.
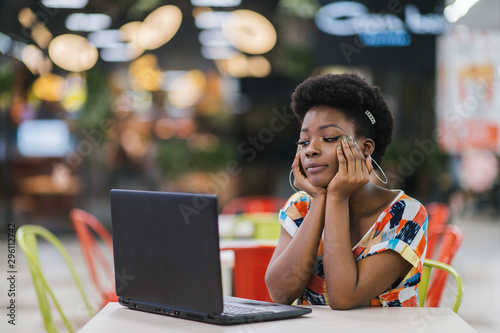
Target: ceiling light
x=159 y=27
x=105 y=38
x=211 y=20
x=259 y=66
x=458 y=9
x=131 y=30
x=26 y=17
x=5 y=43
x=65 y=3
x=237 y=66
x=32 y=57
x=87 y=22
x=73 y=53
x=41 y=35
x=118 y=52
x=130 y=34
x=250 y=32
x=213 y=52
x=213 y=37
x=242 y=66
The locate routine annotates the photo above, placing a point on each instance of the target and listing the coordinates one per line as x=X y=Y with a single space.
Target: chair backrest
x=26 y=237
x=448 y=239
x=85 y=224
x=424 y=282
x=250 y=264
x=439 y=214
x=254 y=204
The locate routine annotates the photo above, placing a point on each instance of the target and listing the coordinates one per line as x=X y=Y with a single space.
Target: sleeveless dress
x=401 y=227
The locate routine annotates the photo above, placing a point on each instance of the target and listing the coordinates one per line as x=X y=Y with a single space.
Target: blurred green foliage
x=97 y=108
x=175 y=157
x=6 y=77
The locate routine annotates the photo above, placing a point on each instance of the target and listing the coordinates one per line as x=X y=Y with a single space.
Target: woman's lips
x=314 y=168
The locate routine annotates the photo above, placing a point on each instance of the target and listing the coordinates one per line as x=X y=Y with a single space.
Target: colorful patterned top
x=401 y=227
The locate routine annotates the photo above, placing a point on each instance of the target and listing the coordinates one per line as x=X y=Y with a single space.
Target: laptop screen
x=166 y=248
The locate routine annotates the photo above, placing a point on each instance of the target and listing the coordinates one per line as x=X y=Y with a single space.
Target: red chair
x=449 y=237
x=84 y=223
x=254 y=204
x=250 y=265
x=439 y=214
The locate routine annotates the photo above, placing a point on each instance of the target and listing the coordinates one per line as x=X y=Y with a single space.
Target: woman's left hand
x=354 y=169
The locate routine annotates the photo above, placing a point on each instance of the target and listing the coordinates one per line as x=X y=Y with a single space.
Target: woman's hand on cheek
x=354 y=169
x=301 y=181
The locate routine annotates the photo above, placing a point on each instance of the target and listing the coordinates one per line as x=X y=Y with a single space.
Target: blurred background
x=194 y=96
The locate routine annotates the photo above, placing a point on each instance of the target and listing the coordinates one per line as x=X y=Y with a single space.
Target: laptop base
x=269 y=311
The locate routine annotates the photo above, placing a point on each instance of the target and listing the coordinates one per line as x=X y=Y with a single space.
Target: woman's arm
x=350 y=283
x=291 y=265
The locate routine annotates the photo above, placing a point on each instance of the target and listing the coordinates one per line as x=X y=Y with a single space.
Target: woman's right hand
x=300 y=180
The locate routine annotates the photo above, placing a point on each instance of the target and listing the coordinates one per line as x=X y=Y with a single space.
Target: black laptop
x=167 y=261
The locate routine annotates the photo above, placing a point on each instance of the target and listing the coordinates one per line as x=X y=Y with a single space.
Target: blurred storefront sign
x=379 y=33
x=468 y=91
x=383 y=28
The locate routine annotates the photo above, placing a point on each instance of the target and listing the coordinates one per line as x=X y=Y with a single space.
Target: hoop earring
x=381 y=171
x=290 y=181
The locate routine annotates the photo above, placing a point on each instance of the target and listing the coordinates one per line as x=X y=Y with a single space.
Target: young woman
x=345 y=241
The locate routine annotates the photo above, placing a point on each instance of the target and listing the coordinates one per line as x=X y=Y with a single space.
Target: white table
x=116 y=318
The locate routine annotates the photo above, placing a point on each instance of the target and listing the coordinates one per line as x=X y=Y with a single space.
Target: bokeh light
x=249 y=32
x=49 y=87
x=159 y=27
x=73 y=53
x=186 y=89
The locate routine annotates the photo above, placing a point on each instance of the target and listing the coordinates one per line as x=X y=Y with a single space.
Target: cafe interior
x=193 y=96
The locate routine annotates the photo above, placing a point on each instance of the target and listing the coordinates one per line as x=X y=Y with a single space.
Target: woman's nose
x=312 y=149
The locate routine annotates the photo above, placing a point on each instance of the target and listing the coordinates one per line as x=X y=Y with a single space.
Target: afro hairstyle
x=352 y=95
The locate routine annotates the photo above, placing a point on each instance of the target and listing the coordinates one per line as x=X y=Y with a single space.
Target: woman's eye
x=302 y=143
x=331 y=139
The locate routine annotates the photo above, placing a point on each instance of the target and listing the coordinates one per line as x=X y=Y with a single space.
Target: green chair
x=265 y=225
x=424 y=281
x=26 y=237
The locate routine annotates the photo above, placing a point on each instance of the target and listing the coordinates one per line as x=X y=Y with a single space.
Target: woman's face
x=321 y=133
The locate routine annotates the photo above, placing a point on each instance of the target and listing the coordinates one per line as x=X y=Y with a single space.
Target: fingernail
x=350 y=138
x=344 y=138
x=339 y=147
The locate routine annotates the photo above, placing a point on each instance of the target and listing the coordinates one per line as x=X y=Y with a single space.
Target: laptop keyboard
x=236 y=310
